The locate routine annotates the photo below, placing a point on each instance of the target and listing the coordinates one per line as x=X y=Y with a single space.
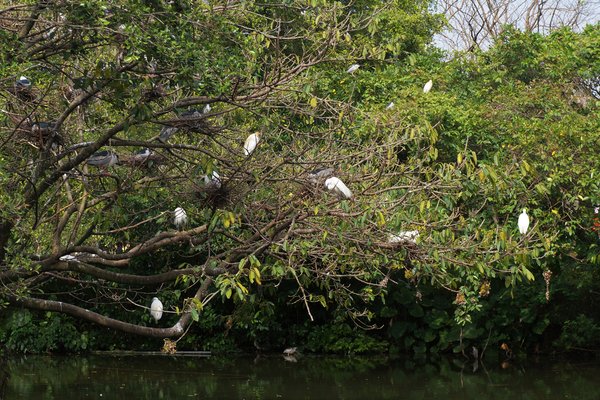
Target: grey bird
x=166 y=132
x=43 y=127
x=141 y=155
x=103 y=159
x=23 y=83
x=191 y=114
x=319 y=174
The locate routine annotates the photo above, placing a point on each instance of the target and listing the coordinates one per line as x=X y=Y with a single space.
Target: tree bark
x=58 y=306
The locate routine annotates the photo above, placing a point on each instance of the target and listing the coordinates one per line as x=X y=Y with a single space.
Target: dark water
x=167 y=377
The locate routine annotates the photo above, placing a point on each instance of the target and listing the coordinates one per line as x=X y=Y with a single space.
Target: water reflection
x=167 y=377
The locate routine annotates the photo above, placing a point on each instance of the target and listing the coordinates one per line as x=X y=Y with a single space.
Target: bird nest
x=212 y=196
x=36 y=133
x=194 y=122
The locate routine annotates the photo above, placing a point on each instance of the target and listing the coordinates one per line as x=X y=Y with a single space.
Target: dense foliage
x=269 y=257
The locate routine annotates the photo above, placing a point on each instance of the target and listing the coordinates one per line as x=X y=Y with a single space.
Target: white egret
x=427 y=86
x=156 y=309
x=214 y=182
x=404 y=237
x=390 y=106
x=251 y=143
x=353 y=68
x=523 y=222
x=206 y=109
x=290 y=351
x=103 y=159
x=338 y=187
x=68 y=258
x=180 y=217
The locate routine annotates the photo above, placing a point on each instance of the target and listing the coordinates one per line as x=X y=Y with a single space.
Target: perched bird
x=353 y=68
x=404 y=237
x=156 y=309
x=523 y=222
x=23 y=83
x=337 y=186
x=251 y=143
x=46 y=131
x=180 y=217
x=68 y=258
x=290 y=351
x=141 y=155
x=103 y=159
x=390 y=106
x=214 y=182
x=166 y=132
x=206 y=109
x=191 y=114
x=427 y=86
x=320 y=173
x=43 y=127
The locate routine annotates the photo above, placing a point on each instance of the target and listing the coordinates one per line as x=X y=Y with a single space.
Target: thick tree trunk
x=5 y=228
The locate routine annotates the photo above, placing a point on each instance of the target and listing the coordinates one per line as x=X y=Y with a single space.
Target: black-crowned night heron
x=23 y=83
x=319 y=174
x=103 y=159
x=141 y=155
x=166 y=132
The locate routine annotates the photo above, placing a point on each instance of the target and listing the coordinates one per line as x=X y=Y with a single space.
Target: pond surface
x=272 y=377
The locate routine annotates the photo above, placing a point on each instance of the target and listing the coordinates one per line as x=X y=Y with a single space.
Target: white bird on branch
x=180 y=217
x=68 y=258
x=353 y=68
x=427 y=86
x=156 y=309
x=251 y=143
x=290 y=351
x=390 y=106
x=523 y=222
x=206 y=109
x=337 y=186
x=404 y=237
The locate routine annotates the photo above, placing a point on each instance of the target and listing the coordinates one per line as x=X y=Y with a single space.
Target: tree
x=91 y=239
x=476 y=24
